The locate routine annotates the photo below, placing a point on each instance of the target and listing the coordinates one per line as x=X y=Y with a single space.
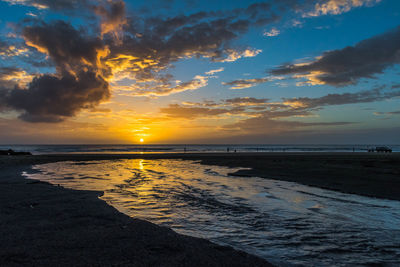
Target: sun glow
x=141 y=140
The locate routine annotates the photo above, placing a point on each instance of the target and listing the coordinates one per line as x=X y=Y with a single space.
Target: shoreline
x=47 y=225
x=367 y=174
x=43 y=224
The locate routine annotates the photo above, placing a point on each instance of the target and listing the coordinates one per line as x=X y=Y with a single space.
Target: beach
x=367 y=174
x=43 y=224
x=46 y=225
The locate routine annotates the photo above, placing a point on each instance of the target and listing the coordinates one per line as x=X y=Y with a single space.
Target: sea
x=286 y=223
x=194 y=148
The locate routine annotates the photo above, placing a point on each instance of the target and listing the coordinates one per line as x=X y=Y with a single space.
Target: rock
x=11 y=152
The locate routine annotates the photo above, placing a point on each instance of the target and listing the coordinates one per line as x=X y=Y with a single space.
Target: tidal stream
x=286 y=223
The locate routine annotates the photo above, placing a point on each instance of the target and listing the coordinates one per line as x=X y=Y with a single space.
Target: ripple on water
x=286 y=223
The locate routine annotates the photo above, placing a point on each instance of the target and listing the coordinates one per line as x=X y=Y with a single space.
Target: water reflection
x=284 y=222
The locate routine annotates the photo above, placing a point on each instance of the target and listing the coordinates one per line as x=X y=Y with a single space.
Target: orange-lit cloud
x=113 y=18
x=336 y=7
x=348 y=65
x=272 y=33
x=233 y=55
x=245 y=83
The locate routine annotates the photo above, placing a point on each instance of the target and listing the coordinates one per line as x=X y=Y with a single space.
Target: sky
x=204 y=72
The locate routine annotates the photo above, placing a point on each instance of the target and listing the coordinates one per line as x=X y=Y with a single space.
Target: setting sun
x=228 y=95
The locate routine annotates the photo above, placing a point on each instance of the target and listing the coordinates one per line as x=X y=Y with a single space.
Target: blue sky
x=120 y=71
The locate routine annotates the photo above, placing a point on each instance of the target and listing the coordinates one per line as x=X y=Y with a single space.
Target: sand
x=368 y=174
x=42 y=224
x=46 y=225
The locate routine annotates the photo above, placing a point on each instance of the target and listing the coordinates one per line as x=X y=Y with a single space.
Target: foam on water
x=286 y=223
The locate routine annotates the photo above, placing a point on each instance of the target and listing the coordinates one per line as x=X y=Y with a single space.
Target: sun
x=141 y=140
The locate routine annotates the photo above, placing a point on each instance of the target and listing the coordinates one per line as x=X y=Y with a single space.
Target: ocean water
x=51 y=149
x=286 y=223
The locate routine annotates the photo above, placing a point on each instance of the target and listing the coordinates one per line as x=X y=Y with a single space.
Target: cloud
x=189 y=112
x=12 y=76
x=131 y=51
x=113 y=18
x=149 y=47
x=10 y=50
x=246 y=101
x=245 y=83
x=212 y=72
x=271 y=33
x=80 y=80
x=297 y=23
x=233 y=55
x=262 y=116
x=166 y=88
x=348 y=65
x=397 y=112
x=51 y=99
x=31 y=14
x=240 y=106
x=50 y=4
x=266 y=125
x=366 y=96
x=335 y=7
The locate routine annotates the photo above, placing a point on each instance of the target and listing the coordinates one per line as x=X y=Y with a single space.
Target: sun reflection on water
x=141 y=167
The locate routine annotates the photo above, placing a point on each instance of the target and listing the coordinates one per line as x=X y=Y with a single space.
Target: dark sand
x=368 y=174
x=46 y=225
x=41 y=224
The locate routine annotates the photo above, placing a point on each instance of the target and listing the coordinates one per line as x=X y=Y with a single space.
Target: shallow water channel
x=283 y=222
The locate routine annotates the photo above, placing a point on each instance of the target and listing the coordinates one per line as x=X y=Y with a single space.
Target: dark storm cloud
x=51 y=99
x=163 y=41
x=346 y=66
x=151 y=45
x=136 y=47
x=115 y=11
x=79 y=82
x=113 y=18
x=65 y=45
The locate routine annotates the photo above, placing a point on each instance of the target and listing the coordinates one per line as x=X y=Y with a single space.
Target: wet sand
x=46 y=225
x=43 y=224
x=368 y=174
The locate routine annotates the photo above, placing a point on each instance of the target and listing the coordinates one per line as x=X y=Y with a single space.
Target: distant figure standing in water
x=227 y=149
